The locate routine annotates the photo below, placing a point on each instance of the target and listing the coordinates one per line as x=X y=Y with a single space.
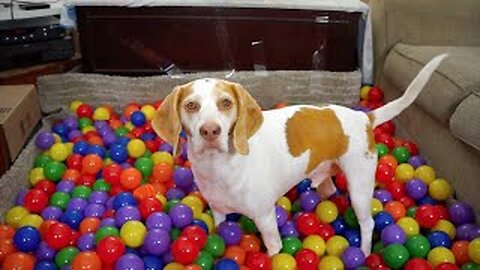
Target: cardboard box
x=19 y=114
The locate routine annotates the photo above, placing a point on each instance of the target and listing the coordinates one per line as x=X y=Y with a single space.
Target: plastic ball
x=230 y=232
x=183 y=177
x=326 y=211
x=382 y=195
x=307 y=259
x=204 y=260
x=330 y=263
x=15 y=214
x=382 y=149
x=152 y=263
x=291 y=245
x=157 y=242
x=130 y=178
x=101 y=113
x=136 y=148
x=215 y=245
x=446 y=227
x=36 y=175
x=144 y=165
x=235 y=253
x=416 y=189
x=133 y=233
x=184 y=251
x=395 y=255
x=27 y=239
x=315 y=243
x=393 y=234
x=195 y=234
x=91 y=164
x=336 y=245
x=162 y=157
x=283 y=261
x=418 y=264
x=87 y=261
x=162 y=173
x=19 y=260
x=353 y=257
x=440 y=255
x=382 y=220
x=181 y=215
x=418 y=246
x=404 y=172
x=395 y=209
x=460 y=251
x=44 y=140
x=106 y=231
x=440 y=189
x=474 y=250
x=461 y=213
x=258 y=261
x=377 y=206
x=54 y=170
x=309 y=200
x=425 y=173
x=470 y=266
x=401 y=154
x=307 y=223
x=129 y=261
x=353 y=237
x=65 y=256
x=409 y=226
x=248 y=225
x=427 y=216
x=60 y=199
x=59 y=152
x=109 y=249
x=285 y=203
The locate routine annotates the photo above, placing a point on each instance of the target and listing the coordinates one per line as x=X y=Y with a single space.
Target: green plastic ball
x=418 y=246
x=350 y=218
x=147 y=153
x=204 y=260
x=101 y=185
x=81 y=192
x=121 y=131
x=470 y=266
x=106 y=231
x=54 y=170
x=382 y=149
x=215 y=245
x=395 y=255
x=144 y=165
x=296 y=207
x=248 y=226
x=291 y=245
x=175 y=233
x=84 y=122
x=170 y=204
x=401 y=154
x=60 y=200
x=65 y=256
x=41 y=161
x=411 y=211
x=378 y=247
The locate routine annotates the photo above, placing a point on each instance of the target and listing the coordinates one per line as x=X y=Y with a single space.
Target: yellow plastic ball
x=129 y=126
x=315 y=243
x=409 y=226
x=440 y=189
x=162 y=157
x=377 y=206
x=74 y=105
x=35 y=176
x=330 y=263
x=404 y=172
x=161 y=198
x=440 y=255
x=15 y=215
x=101 y=113
x=59 y=152
x=136 y=148
x=336 y=245
x=107 y=161
x=173 y=266
x=446 y=227
x=283 y=261
x=326 y=211
x=474 y=250
x=425 y=173
x=133 y=233
x=209 y=221
x=69 y=146
x=195 y=204
x=31 y=220
x=57 y=137
x=364 y=91
x=285 y=203
x=88 y=129
x=149 y=111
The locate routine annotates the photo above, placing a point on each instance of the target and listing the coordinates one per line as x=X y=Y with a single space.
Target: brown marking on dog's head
x=317 y=130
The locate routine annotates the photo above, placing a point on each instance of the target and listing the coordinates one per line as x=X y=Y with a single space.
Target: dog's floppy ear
x=249 y=119
x=166 y=120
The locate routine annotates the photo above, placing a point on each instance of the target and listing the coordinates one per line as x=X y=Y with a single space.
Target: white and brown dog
x=244 y=159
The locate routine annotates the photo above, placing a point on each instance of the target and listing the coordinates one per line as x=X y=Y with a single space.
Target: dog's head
x=214 y=113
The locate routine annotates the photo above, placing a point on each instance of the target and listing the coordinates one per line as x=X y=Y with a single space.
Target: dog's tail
x=392 y=109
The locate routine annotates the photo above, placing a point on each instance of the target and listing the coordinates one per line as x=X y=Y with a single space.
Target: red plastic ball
x=74 y=161
x=307 y=224
x=412 y=147
x=386 y=139
x=447 y=266
x=292 y=194
x=418 y=264
x=148 y=206
x=46 y=186
x=387 y=127
x=374 y=260
x=306 y=259
x=258 y=261
x=442 y=212
x=184 y=251
x=110 y=249
x=84 y=110
x=342 y=203
x=58 y=235
x=384 y=174
x=152 y=145
x=427 y=216
x=341 y=181
x=111 y=173
x=407 y=202
x=86 y=180
x=326 y=231
x=397 y=189
x=195 y=234
x=35 y=200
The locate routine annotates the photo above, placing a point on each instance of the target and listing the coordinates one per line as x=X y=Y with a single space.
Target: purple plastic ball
x=129 y=261
x=416 y=189
x=175 y=193
x=98 y=197
x=44 y=252
x=20 y=197
x=100 y=124
x=109 y=138
x=166 y=148
x=184 y=154
x=77 y=204
x=353 y=257
x=230 y=232
x=70 y=122
x=74 y=134
x=86 y=242
x=183 y=177
x=282 y=215
x=157 y=241
x=109 y=203
x=465 y=231
x=289 y=229
x=461 y=213
x=417 y=161
x=309 y=200
x=65 y=186
x=125 y=214
x=393 y=234
x=107 y=222
x=159 y=220
x=44 y=140
x=94 y=210
x=382 y=195
x=51 y=212
x=167 y=257
x=181 y=215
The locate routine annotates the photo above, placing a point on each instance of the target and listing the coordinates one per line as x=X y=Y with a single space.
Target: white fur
x=251 y=184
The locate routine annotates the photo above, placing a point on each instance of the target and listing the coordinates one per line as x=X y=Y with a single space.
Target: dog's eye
x=225 y=104
x=192 y=106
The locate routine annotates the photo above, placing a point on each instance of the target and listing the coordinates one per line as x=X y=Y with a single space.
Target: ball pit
x=106 y=193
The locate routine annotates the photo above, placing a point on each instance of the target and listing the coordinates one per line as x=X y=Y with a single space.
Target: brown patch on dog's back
x=370 y=138
x=317 y=130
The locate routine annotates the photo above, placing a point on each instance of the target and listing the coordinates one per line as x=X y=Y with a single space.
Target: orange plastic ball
x=130 y=178
x=6 y=248
x=127 y=112
x=162 y=172
x=19 y=261
x=235 y=253
x=159 y=188
x=460 y=251
x=45 y=225
x=87 y=261
x=192 y=267
x=390 y=160
x=115 y=123
x=89 y=225
x=6 y=231
x=250 y=243
x=396 y=209
x=143 y=192
x=95 y=140
x=71 y=175
x=92 y=164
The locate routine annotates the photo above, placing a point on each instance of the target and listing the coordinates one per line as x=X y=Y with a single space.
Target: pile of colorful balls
x=106 y=193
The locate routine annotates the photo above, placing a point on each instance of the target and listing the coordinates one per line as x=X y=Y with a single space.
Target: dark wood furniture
x=146 y=40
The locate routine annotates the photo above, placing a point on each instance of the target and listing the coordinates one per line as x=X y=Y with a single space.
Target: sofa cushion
x=456 y=78
x=465 y=122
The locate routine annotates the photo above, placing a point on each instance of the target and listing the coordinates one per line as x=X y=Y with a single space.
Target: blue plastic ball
x=439 y=239
x=81 y=148
x=72 y=218
x=123 y=141
x=61 y=129
x=226 y=264
x=97 y=149
x=304 y=185
x=200 y=223
x=123 y=199
x=382 y=220
x=426 y=200
x=339 y=225
x=147 y=136
x=152 y=263
x=138 y=118
x=27 y=239
x=118 y=153
x=353 y=237
x=46 y=265
x=233 y=217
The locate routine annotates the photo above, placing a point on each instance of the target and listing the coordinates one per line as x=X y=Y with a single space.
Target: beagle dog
x=244 y=159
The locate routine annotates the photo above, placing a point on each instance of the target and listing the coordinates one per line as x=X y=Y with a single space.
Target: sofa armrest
x=423 y=22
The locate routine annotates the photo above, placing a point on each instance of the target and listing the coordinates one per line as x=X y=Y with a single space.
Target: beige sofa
x=445 y=120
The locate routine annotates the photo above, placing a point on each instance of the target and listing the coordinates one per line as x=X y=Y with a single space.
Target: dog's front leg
x=267 y=225
x=218 y=217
